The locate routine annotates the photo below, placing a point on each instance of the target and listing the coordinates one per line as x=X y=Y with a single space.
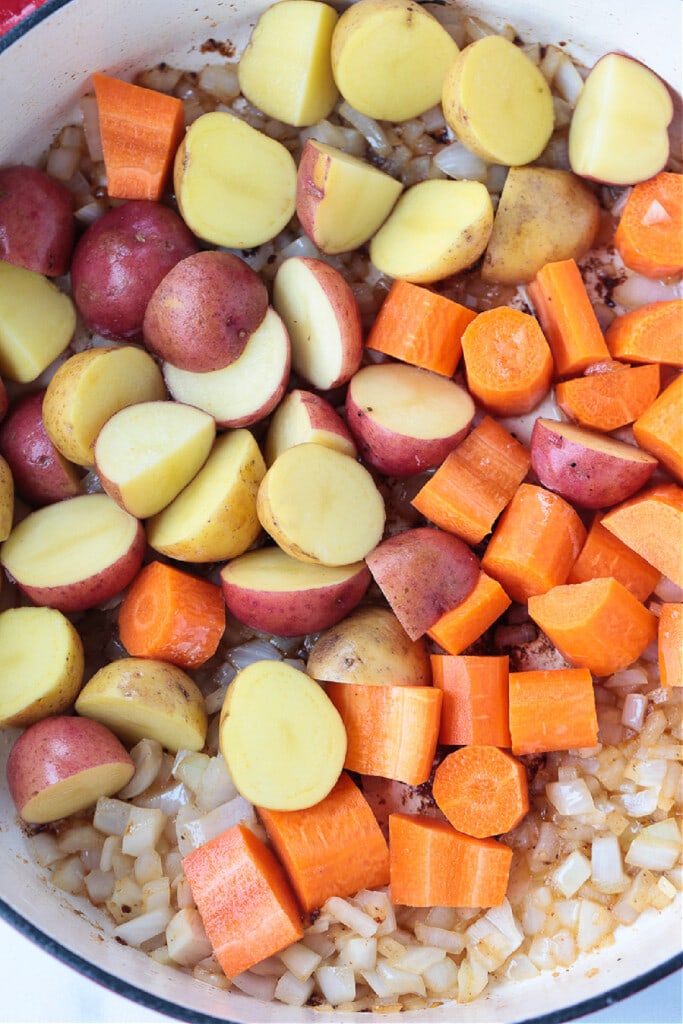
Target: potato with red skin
x=41 y=473
x=37 y=225
x=203 y=312
x=119 y=261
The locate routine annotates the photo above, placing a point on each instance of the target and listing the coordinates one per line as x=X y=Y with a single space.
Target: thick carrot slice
x=651 y=524
x=391 y=731
x=171 y=615
x=603 y=554
x=609 y=400
x=508 y=361
x=335 y=848
x=598 y=625
x=243 y=897
x=482 y=790
x=670 y=644
x=461 y=626
x=475 y=699
x=653 y=333
x=552 y=709
x=649 y=235
x=660 y=429
x=475 y=482
x=567 y=317
x=140 y=131
x=535 y=543
x=418 y=326
x=433 y=865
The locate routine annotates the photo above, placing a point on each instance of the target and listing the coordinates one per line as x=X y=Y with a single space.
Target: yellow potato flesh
x=286 y=69
x=436 y=229
x=498 y=103
x=272 y=571
x=235 y=186
x=281 y=737
x=37 y=322
x=41 y=665
x=140 y=698
x=77 y=792
x=389 y=58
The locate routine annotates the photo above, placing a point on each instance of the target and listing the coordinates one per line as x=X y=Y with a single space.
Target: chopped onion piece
x=62 y=162
x=595 y=922
x=260 y=986
x=186 y=939
x=569 y=876
x=351 y=916
x=459 y=162
x=607 y=872
x=292 y=991
x=300 y=960
x=656 y=847
x=337 y=983
x=147 y=757
x=571 y=797
x=358 y=952
x=255 y=650
x=568 y=81
x=111 y=816
x=91 y=126
x=144 y=927
x=144 y=828
x=368 y=127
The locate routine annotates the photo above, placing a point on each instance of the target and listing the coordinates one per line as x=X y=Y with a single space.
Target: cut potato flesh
x=236 y=187
x=77 y=792
x=321 y=506
x=37 y=322
x=305 y=416
x=282 y=738
x=271 y=569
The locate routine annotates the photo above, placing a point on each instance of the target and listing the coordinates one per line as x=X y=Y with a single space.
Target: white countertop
x=37 y=989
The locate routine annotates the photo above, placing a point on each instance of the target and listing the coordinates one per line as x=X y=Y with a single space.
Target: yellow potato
x=543 y=215
x=6 y=499
x=436 y=229
x=371 y=647
x=37 y=322
x=498 y=103
x=214 y=517
x=142 y=697
x=281 y=737
x=41 y=665
x=389 y=58
x=286 y=69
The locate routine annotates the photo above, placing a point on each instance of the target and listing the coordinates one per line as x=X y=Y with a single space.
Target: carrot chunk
x=391 y=731
x=603 y=554
x=660 y=428
x=475 y=482
x=244 y=899
x=475 y=699
x=598 y=625
x=653 y=333
x=552 y=709
x=335 y=848
x=567 y=317
x=482 y=790
x=171 y=615
x=670 y=644
x=609 y=400
x=461 y=626
x=651 y=524
x=433 y=865
x=649 y=235
x=418 y=326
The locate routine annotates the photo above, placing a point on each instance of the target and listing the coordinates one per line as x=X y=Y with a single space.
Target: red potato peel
x=41 y=473
x=37 y=225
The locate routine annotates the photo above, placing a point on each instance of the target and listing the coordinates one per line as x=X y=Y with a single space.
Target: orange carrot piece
x=482 y=790
x=244 y=899
x=670 y=644
x=140 y=131
x=649 y=235
x=552 y=709
x=567 y=317
x=508 y=362
x=433 y=865
x=609 y=400
x=660 y=429
x=475 y=482
x=475 y=699
x=603 y=554
x=598 y=625
x=535 y=543
x=335 y=848
x=651 y=524
x=391 y=731
x=171 y=615
x=653 y=333
x=461 y=626
x=418 y=326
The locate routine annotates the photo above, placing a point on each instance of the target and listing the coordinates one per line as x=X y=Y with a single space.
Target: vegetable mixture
x=341 y=506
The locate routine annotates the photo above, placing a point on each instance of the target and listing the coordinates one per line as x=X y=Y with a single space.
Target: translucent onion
x=368 y=127
x=144 y=828
x=186 y=939
x=293 y=992
x=337 y=983
x=147 y=757
x=144 y=927
x=354 y=918
x=459 y=162
x=260 y=986
x=571 y=797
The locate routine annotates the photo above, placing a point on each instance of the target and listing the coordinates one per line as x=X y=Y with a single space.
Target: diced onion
x=457 y=161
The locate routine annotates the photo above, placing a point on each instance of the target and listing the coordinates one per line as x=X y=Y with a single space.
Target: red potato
x=322 y=317
x=406 y=419
x=304 y=416
x=41 y=473
x=37 y=225
x=588 y=469
x=423 y=573
x=119 y=261
x=64 y=764
x=75 y=554
x=270 y=591
x=202 y=314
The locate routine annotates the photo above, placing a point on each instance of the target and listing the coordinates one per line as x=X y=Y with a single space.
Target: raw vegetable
x=482 y=790
x=552 y=709
x=6 y=499
x=603 y=554
x=474 y=708
x=462 y=625
x=670 y=644
x=37 y=322
x=611 y=399
x=659 y=430
x=37 y=226
x=651 y=524
x=653 y=333
x=649 y=236
x=304 y=416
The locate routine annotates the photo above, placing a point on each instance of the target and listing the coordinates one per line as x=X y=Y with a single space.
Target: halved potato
x=37 y=322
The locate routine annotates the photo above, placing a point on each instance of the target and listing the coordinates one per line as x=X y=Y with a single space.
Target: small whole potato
x=120 y=260
x=37 y=226
x=203 y=312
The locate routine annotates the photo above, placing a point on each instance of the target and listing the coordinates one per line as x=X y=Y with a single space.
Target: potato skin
x=41 y=473
x=120 y=260
x=37 y=225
